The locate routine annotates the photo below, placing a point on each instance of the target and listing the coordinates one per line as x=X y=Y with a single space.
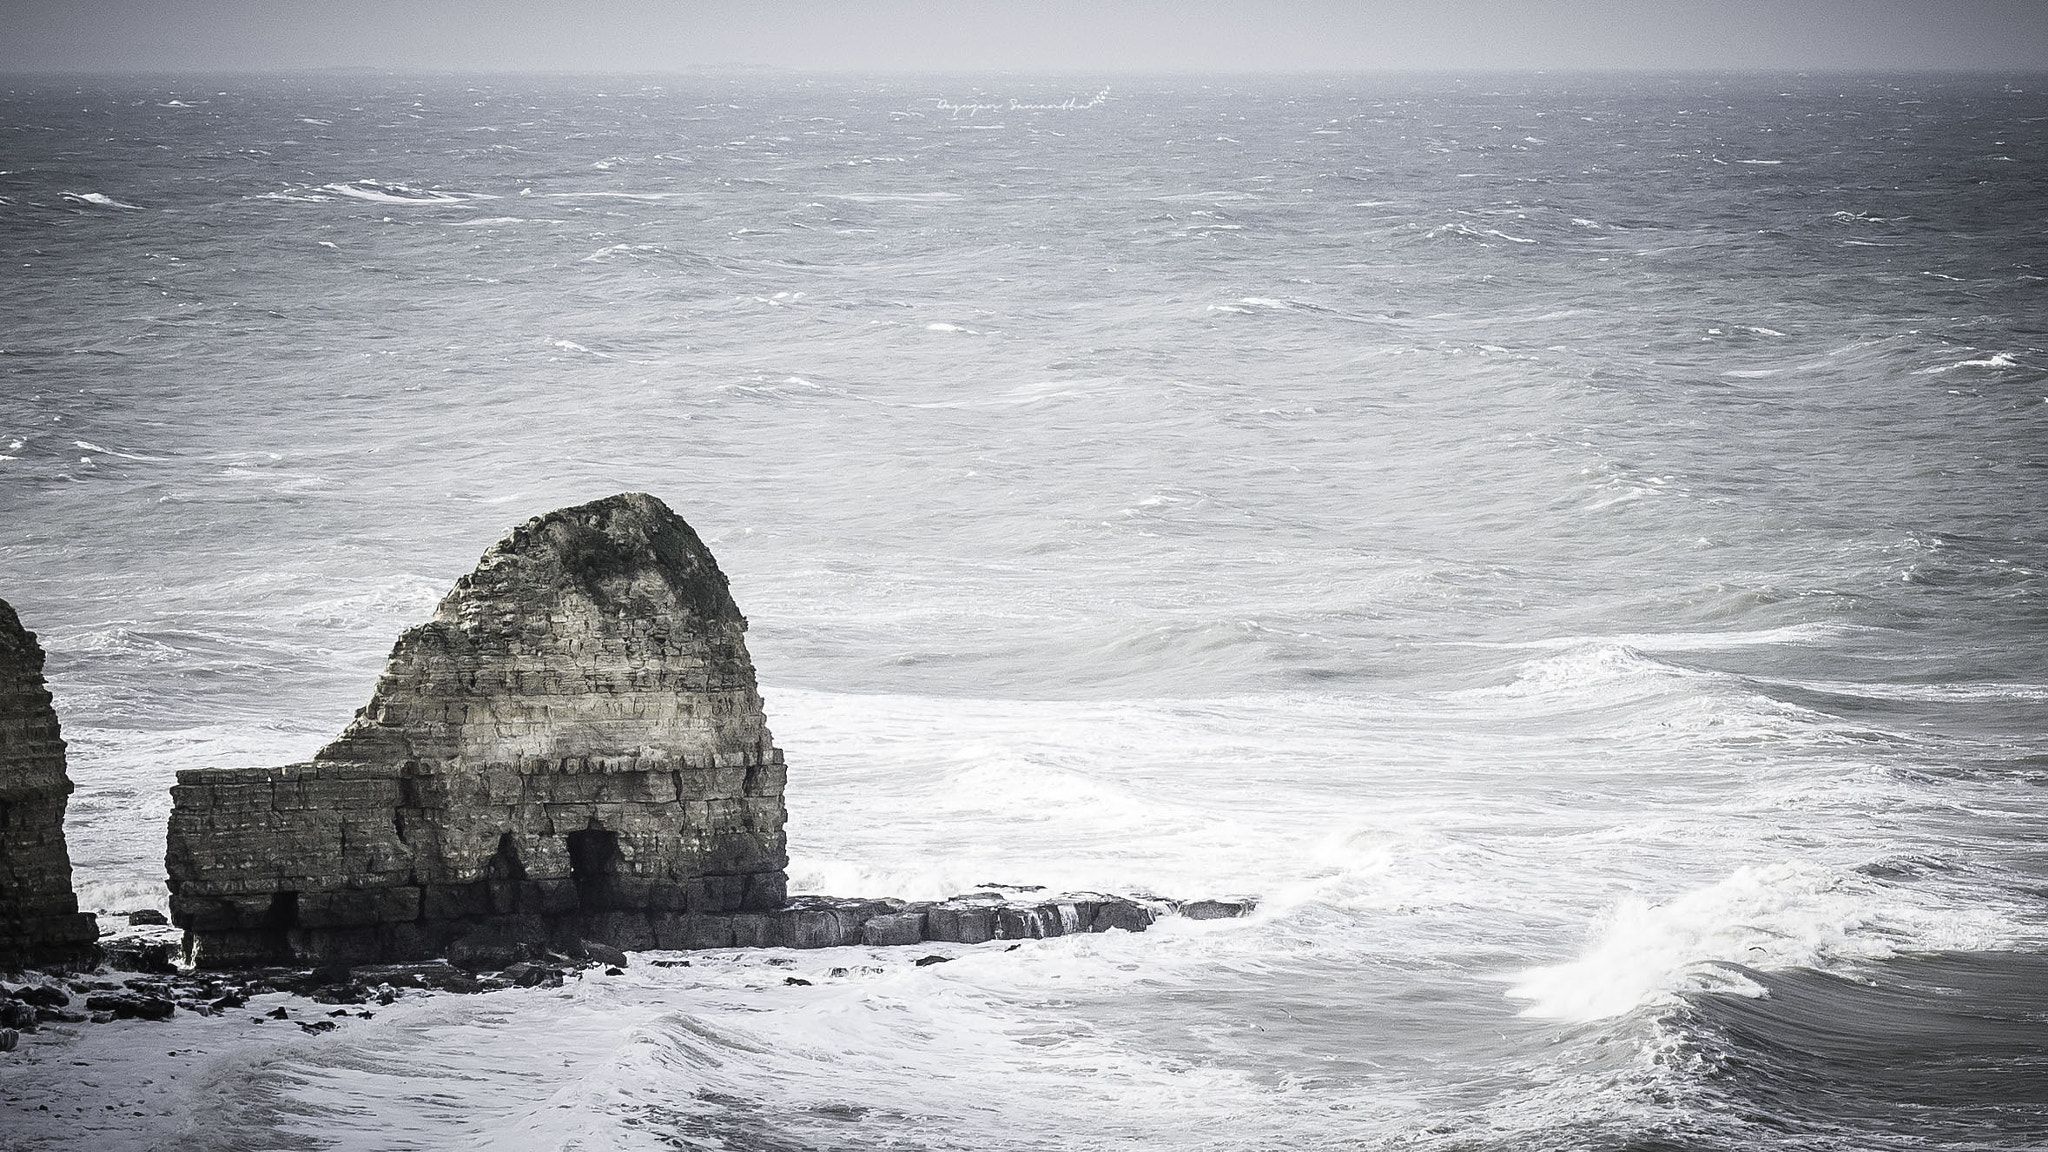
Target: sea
x=1572 y=548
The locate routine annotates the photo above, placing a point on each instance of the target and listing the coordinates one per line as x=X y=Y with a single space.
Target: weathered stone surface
x=39 y=918
x=892 y=929
x=975 y=918
x=1214 y=909
x=572 y=748
x=132 y=1006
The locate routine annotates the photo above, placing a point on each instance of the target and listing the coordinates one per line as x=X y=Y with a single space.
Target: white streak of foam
x=381 y=192
x=1995 y=360
x=1792 y=914
x=102 y=200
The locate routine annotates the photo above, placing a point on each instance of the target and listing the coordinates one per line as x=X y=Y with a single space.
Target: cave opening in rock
x=594 y=862
x=502 y=875
x=280 y=918
x=504 y=864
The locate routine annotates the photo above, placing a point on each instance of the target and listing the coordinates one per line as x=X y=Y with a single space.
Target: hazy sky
x=1101 y=37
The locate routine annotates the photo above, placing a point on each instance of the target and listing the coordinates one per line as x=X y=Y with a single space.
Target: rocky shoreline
x=160 y=988
x=568 y=763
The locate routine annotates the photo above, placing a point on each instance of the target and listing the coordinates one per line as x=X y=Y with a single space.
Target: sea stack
x=40 y=923
x=572 y=749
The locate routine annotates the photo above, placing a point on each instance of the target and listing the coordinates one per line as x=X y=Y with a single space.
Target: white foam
x=572 y=346
x=91 y=447
x=1218 y=197
x=1808 y=633
x=605 y=195
x=1466 y=230
x=380 y=192
x=897 y=197
x=1794 y=913
x=101 y=200
x=1993 y=361
x=611 y=250
x=1576 y=669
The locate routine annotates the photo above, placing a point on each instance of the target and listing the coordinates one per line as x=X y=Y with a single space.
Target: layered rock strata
x=833 y=922
x=572 y=748
x=39 y=918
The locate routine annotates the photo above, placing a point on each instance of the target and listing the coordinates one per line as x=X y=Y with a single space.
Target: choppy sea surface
x=1574 y=548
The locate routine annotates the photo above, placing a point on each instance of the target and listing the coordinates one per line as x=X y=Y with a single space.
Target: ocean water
x=1573 y=548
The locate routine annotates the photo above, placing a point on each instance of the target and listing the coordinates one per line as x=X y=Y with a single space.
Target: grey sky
x=1022 y=35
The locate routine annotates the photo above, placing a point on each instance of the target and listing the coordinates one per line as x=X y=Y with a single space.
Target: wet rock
x=9 y=1039
x=438 y=975
x=1123 y=915
x=1215 y=909
x=485 y=954
x=796 y=982
x=897 y=928
x=603 y=954
x=141 y=956
x=131 y=1006
x=524 y=975
x=150 y=916
x=572 y=748
x=961 y=923
x=41 y=995
x=328 y=975
x=928 y=961
x=318 y=1026
x=1025 y=922
x=15 y=1014
x=824 y=922
x=40 y=923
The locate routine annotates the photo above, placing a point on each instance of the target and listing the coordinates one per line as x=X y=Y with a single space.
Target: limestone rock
x=573 y=748
x=39 y=918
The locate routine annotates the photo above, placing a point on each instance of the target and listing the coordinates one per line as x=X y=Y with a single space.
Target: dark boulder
x=131 y=1006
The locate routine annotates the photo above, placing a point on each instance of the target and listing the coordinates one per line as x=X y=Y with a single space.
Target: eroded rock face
x=39 y=918
x=572 y=748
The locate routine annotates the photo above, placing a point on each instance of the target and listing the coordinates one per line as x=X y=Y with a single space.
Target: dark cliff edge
x=40 y=923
